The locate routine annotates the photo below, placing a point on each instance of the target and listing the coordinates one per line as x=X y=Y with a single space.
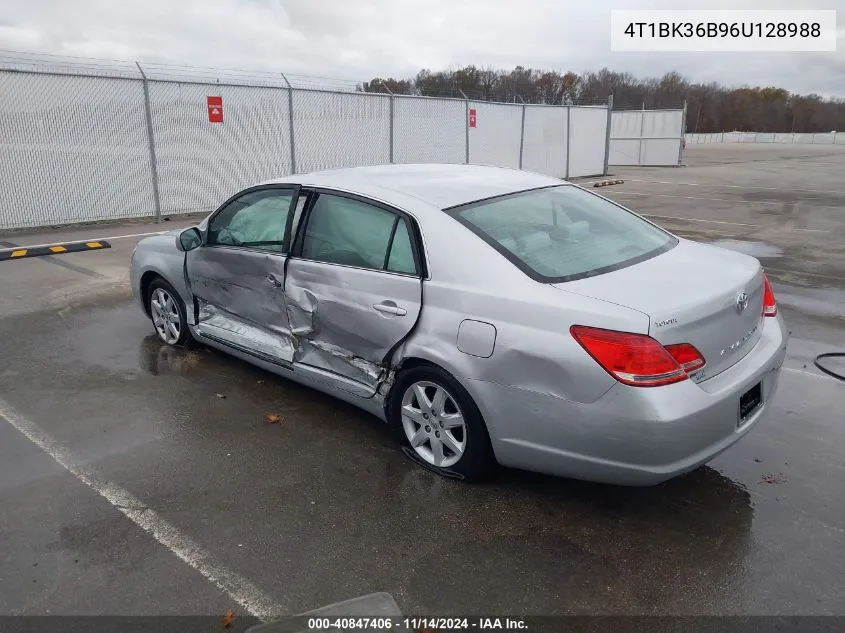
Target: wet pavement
x=322 y=506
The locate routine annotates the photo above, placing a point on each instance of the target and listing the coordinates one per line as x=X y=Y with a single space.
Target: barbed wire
x=59 y=64
x=160 y=71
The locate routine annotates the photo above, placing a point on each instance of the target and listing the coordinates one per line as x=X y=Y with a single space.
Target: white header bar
x=723 y=31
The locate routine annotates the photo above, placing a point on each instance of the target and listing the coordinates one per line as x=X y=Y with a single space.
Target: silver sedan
x=488 y=315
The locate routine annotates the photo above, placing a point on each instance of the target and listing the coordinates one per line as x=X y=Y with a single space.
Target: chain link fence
x=70 y=145
x=429 y=130
x=88 y=141
x=647 y=137
x=497 y=138
x=798 y=138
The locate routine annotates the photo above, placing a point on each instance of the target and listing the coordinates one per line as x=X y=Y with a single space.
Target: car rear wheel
x=168 y=314
x=438 y=422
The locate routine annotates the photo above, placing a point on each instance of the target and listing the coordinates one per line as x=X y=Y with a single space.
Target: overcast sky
x=359 y=39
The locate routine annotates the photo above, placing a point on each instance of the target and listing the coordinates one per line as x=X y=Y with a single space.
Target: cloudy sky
x=358 y=39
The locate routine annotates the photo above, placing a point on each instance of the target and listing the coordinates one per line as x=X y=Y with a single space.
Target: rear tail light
x=687 y=356
x=770 y=306
x=634 y=359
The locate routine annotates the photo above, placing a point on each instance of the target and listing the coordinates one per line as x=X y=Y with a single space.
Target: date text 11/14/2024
x=418 y=624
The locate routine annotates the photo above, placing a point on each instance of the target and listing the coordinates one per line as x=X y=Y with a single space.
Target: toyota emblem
x=741 y=302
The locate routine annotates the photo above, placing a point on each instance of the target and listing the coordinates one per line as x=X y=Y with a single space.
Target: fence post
x=390 y=92
x=683 y=134
x=642 y=129
x=522 y=137
x=568 y=137
x=151 y=141
x=392 y=159
x=607 y=135
x=391 y=128
x=466 y=123
x=290 y=120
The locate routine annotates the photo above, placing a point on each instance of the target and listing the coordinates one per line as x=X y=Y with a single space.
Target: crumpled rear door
x=353 y=287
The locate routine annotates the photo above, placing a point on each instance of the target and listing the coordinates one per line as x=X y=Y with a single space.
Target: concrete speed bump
x=606 y=183
x=22 y=252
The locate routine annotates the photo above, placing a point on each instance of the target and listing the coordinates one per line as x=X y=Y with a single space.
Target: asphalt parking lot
x=141 y=480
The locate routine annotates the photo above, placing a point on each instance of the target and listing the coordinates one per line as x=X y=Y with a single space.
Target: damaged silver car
x=489 y=315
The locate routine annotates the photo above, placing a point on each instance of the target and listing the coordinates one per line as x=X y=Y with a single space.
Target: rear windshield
x=563 y=233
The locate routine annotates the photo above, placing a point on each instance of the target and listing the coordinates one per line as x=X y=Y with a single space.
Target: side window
x=345 y=231
x=255 y=220
x=401 y=259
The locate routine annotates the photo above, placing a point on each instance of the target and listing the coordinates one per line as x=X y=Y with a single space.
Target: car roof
x=439 y=185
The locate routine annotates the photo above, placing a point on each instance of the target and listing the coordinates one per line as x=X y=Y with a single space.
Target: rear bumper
x=631 y=436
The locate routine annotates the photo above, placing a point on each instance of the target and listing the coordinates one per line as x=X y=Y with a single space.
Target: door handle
x=386 y=308
x=273 y=281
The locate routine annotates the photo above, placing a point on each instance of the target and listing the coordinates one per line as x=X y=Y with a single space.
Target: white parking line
x=714 y=184
x=810 y=374
x=92 y=239
x=241 y=590
x=672 y=217
x=122 y=237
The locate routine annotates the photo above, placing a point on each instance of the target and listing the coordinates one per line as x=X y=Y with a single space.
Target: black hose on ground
x=829 y=372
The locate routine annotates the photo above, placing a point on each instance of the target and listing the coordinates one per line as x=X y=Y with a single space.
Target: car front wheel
x=438 y=422
x=167 y=313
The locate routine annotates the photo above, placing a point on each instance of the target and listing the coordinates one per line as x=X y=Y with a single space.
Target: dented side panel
x=241 y=298
x=228 y=328
x=335 y=323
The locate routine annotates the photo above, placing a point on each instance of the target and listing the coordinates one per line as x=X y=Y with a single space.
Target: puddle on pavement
x=159 y=359
x=122 y=340
x=823 y=302
x=755 y=249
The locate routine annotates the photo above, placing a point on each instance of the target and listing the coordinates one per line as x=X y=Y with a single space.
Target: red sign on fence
x=472 y=117
x=215 y=109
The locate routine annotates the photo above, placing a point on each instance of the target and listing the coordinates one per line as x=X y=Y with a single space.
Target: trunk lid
x=691 y=294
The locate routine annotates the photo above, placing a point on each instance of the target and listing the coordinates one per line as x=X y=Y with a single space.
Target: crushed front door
x=237 y=275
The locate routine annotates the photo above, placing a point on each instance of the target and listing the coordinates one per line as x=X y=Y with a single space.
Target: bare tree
x=710 y=107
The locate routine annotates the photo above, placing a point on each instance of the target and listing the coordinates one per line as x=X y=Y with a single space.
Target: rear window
x=563 y=233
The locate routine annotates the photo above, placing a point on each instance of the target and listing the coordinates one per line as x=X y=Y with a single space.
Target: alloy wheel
x=434 y=424
x=165 y=314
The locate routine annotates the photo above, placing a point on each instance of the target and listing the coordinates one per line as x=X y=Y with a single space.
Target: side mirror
x=189 y=239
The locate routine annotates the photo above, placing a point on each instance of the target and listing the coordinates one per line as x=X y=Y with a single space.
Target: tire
x=445 y=433
x=168 y=314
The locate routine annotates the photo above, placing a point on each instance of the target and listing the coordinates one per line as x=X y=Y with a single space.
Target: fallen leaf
x=228 y=618
x=273 y=419
x=220 y=395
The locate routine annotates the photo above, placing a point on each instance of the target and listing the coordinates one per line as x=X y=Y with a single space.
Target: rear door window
x=563 y=233
x=351 y=232
x=401 y=258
